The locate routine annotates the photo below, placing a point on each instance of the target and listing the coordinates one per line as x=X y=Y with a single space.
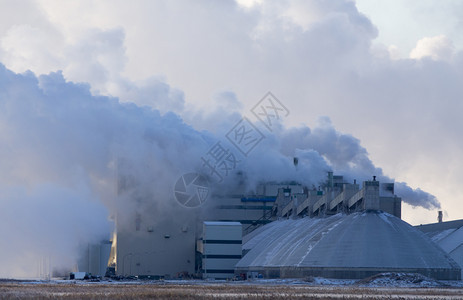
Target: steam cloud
x=61 y=146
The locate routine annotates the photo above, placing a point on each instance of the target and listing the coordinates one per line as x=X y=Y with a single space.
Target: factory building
x=94 y=258
x=339 y=229
x=342 y=232
x=251 y=210
x=158 y=247
x=220 y=248
x=448 y=236
x=351 y=246
x=164 y=239
x=338 y=196
x=167 y=242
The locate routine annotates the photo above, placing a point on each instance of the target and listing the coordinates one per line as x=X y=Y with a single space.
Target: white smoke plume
x=61 y=147
x=47 y=223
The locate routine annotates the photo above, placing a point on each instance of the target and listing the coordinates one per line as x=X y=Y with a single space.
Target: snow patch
x=399 y=280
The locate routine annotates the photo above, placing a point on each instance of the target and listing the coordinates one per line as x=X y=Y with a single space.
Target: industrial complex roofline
x=338 y=196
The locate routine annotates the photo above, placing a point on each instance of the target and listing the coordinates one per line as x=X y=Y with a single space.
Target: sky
x=370 y=86
x=403 y=23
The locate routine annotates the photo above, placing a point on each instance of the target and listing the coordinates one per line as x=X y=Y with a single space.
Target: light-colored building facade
x=449 y=236
x=220 y=248
x=160 y=239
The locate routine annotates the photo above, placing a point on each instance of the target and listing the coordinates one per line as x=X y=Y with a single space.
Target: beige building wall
x=156 y=241
x=158 y=238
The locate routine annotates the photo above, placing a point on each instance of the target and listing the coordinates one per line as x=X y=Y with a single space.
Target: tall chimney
x=371 y=195
x=439 y=216
x=330 y=179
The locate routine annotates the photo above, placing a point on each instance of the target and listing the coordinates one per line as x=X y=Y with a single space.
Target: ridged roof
x=359 y=240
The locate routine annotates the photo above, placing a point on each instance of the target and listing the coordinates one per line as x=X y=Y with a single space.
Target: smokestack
x=374 y=178
x=330 y=179
x=439 y=216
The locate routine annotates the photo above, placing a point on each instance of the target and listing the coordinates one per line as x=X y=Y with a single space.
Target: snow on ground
x=398 y=280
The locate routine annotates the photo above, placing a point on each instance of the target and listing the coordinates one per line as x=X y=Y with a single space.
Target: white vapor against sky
x=63 y=148
x=85 y=82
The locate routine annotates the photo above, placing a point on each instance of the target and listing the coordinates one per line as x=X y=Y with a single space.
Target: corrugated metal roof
x=451 y=241
x=359 y=240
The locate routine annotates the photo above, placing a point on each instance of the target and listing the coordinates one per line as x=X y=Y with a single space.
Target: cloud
x=47 y=222
x=437 y=48
x=316 y=56
x=27 y=47
x=65 y=151
x=60 y=148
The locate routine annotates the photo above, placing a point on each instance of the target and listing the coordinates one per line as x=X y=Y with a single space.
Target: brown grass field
x=162 y=290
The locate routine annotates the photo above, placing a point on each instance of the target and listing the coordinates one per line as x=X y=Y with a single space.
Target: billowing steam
x=61 y=148
x=44 y=226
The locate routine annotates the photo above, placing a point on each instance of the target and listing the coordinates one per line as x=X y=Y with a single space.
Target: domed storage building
x=351 y=246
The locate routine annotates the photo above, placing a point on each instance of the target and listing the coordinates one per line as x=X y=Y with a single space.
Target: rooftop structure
x=157 y=238
x=352 y=246
x=340 y=230
x=338 y=196
x=448 y=235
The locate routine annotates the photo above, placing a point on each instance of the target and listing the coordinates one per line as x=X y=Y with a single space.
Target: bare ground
x=162 y=290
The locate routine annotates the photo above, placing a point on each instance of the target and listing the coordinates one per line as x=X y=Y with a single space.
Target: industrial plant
x=284 y=230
